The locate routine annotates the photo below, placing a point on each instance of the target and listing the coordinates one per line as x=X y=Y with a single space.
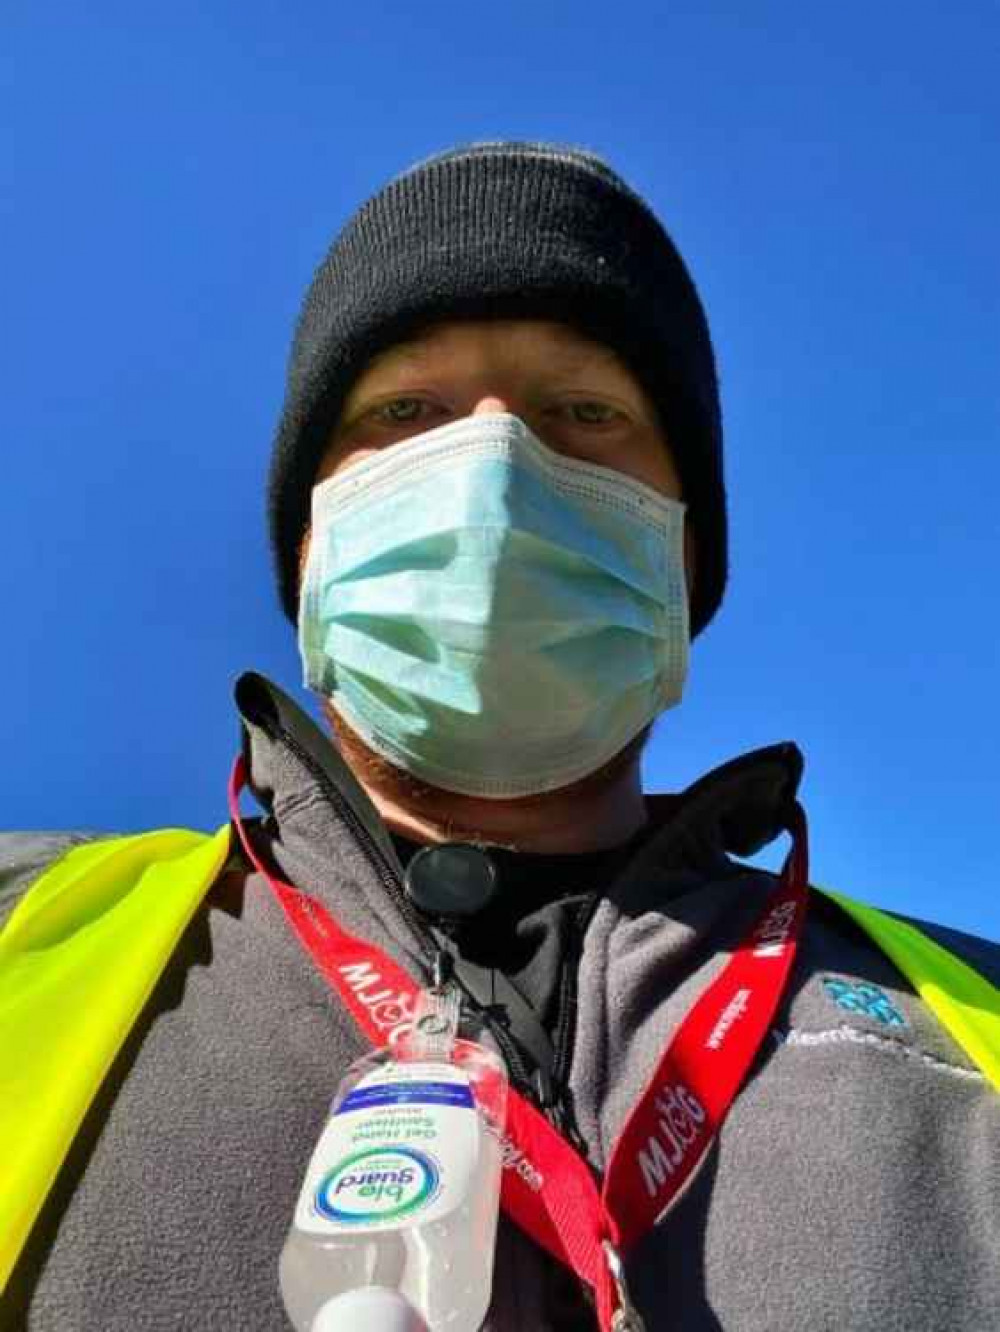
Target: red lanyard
x=548 y=1189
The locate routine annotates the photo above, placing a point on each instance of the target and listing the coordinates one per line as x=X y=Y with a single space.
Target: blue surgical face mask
x=493 y=617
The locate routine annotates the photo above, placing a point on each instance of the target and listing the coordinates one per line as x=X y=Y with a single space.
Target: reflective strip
x=963 y=1001
x=79 y=957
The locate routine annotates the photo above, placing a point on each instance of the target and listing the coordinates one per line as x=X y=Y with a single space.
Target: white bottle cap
x=370 y=1309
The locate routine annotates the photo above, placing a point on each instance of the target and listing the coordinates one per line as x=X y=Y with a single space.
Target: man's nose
x=492 y=403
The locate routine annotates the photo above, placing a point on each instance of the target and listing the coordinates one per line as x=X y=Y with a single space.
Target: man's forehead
x=454 y=338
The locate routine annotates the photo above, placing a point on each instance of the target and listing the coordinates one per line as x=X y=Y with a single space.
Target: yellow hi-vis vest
x=84 y=948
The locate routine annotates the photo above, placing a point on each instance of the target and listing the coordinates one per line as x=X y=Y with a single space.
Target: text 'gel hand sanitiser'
x=401 y=1197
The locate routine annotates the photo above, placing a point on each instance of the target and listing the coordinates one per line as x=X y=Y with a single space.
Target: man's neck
x=550 y=825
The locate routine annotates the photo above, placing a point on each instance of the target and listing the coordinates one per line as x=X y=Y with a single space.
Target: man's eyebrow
x=415 y=354
x=566 y=358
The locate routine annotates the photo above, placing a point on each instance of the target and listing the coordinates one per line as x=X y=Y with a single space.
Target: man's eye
x=592 y=413
x=400 y=411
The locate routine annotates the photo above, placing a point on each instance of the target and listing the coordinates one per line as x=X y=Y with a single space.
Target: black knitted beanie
x=504 y=230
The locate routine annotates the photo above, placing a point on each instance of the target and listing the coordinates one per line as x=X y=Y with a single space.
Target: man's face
x=576 y=395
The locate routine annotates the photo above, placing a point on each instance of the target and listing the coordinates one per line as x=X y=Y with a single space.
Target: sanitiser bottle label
x=402 y=1146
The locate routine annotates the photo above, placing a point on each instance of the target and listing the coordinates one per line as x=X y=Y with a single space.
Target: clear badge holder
x=395 y=1225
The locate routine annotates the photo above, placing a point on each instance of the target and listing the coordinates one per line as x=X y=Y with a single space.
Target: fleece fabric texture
x=855 y=1184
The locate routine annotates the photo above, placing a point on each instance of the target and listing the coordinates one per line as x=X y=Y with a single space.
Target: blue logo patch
x=866 y=999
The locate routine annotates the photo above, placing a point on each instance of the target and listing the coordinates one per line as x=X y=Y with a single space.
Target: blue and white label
x=401 y=1148
x=407 y=1093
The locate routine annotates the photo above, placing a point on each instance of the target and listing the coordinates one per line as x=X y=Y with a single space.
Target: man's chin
x=396 y=784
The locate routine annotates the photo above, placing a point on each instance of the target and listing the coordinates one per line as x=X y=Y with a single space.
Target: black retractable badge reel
x=453 y=881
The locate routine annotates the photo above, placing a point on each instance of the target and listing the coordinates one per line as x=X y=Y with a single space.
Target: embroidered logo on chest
x=864 y=998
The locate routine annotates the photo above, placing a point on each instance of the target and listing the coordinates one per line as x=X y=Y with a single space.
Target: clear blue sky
x=174 y=173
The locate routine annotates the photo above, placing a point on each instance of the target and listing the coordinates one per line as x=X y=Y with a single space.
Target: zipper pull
x=626 y=1317
x=545 y=1091
x=443 y=970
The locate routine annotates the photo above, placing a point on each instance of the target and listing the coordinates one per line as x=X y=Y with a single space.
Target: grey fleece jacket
x=855 y=1184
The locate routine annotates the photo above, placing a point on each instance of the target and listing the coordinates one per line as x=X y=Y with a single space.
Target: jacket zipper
x=565 y=1035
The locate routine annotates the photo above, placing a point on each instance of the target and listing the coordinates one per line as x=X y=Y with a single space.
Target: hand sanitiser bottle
x=395 y=1225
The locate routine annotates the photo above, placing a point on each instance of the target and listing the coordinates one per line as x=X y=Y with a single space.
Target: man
x=498 y=515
